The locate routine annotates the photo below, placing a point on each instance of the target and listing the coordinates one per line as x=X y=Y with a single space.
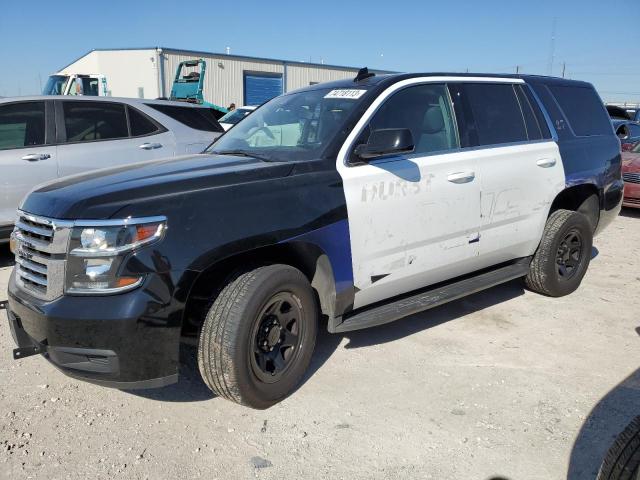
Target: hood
x=100 y=194
x=630 y=162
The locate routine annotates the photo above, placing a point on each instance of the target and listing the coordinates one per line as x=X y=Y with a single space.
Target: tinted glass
x=530 y=120
x=496 y=113
x=140 y=124
x=423 y=109
x=464 y=117
x=537 y=111
x=196 y=118
x=22 y=125
x=87 y=121
x=583 y=109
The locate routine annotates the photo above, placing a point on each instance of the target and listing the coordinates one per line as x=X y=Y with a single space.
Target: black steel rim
x=276 y=337
x=569 y=255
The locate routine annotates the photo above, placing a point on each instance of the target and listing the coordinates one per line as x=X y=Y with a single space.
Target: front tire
x=258 y=336
x=563 y=255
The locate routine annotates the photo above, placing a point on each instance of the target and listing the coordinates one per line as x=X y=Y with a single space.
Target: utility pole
x=564 y=68
x=552 y=49
x=517 y=69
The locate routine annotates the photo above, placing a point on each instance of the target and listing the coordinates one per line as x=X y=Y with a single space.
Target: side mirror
x=386 y=141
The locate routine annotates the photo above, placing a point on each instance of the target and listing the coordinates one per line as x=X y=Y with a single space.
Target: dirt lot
x=505 y=383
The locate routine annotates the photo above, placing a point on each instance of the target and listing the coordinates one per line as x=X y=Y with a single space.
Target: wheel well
x=306 y=257
x=580 y=198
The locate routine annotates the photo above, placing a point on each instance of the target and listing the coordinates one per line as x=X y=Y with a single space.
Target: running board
x=433 y=297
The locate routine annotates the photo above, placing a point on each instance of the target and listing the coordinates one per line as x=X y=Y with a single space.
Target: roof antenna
x=363 y=74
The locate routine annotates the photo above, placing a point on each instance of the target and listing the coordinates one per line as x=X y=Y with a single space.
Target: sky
x=596 y=40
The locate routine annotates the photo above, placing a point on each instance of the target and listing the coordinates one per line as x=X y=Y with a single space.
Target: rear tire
x=563 y=256
x=622 y=461
x=258 y=336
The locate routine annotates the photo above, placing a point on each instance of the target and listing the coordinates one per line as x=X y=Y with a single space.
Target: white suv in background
x=46 y=137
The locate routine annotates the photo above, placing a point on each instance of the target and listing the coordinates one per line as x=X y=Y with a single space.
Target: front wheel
x=258 y=336
x=563 y=255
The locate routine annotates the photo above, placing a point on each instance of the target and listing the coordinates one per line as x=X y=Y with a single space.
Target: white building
x=149 y=73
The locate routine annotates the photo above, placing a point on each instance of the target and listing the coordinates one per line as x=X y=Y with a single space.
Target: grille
x=631 y=177
x=41 y=246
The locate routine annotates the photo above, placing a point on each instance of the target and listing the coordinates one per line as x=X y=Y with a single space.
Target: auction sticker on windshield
x=345 y=93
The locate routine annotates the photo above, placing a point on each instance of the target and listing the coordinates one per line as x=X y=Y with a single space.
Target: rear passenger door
x=95 y=134
x=519 y=166
x=27 y=153
x=413 y=219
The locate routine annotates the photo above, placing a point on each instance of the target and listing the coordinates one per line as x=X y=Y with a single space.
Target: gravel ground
x=503 y=384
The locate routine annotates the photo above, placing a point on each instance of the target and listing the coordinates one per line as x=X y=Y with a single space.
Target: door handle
x=34 y=157
x=150 y=146
x=461 y=177
x=546 y=162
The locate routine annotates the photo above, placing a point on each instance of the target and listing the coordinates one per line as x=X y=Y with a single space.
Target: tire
x=622 y=461
x=258 y=336
x=563 y=255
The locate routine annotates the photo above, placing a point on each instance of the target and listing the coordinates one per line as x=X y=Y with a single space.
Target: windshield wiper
x=240 y=153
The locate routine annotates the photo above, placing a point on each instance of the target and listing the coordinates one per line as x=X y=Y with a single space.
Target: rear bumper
x=122 y=341
x=631 y=195
x=611 y=205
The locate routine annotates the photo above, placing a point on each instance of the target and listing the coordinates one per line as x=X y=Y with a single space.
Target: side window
x=22 y=125
x=196 y=118
x=530 y=120
x=583 y=109
x=88 y=121
x=496 y=113
x=140 y=124
x=537 y=111
x=426 y=111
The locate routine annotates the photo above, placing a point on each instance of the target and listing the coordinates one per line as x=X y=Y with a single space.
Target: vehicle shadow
x=191 y=387
x=607 y=419
x=6 y=257
x=630 y=212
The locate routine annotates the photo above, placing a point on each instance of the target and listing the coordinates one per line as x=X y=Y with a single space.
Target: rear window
x=88 y=121
x=196 y=118
x=583 y=110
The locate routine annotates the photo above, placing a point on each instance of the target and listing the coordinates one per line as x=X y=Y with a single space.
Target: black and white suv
x=353 y=203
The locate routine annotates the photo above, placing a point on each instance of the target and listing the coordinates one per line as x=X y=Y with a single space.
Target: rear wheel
x=563 y=256
x=258 y=336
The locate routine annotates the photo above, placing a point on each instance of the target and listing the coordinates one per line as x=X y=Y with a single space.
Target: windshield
x=298 y=126
x=55 y=85
x=235 y=116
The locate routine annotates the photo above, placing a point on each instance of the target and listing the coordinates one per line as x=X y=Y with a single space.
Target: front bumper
x=123 y=341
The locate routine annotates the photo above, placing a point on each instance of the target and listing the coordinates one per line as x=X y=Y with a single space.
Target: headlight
x=96 y=253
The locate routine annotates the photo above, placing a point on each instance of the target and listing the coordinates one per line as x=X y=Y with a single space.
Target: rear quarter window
x=196 y=118
x=583 y=109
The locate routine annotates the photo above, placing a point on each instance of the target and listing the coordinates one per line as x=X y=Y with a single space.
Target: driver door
x=413 y=219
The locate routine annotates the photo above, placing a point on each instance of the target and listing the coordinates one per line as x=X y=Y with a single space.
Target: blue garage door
x=260 y=87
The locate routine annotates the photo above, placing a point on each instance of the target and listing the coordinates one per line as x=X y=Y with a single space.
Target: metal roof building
x=243 y=80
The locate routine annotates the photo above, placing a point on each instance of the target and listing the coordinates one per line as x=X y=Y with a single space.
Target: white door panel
x=22 y=169
x=80 y=157
x=519 y=183
x=412 y=222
